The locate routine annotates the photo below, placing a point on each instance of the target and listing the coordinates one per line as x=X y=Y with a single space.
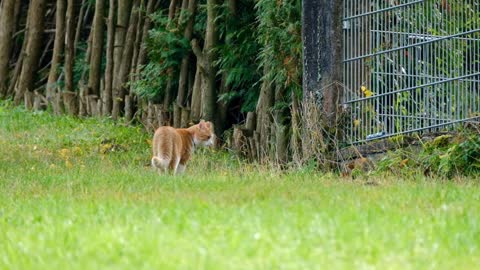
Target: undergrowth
x=445 y=156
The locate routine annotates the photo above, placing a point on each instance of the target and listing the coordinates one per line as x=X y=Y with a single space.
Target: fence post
x=322 y=54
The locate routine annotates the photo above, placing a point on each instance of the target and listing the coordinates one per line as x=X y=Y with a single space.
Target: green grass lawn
x=78 y=194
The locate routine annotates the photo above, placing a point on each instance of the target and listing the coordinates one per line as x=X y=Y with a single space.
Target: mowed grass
x=79 y=194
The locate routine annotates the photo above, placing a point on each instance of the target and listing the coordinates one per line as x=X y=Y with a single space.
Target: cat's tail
x=160 y=163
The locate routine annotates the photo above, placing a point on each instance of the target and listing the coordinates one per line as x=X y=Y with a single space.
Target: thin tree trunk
x=79 y=25
x=124 y=67
x=211 y=38
x=142 y=55
x=196 y=106
x=123 y=16
x=171 y=10
x=18 y=69
x=182 y=83
x=206 y=61
x=69 y=46
x=33 y=50
x=281 y=129
x=137 y=43
x=57 y=52
x=107 y=97
x=19 y=60
x=264 y=116
x=7 y=26
x=97 y=49
x=167 y=100
x=130 y=105
x=84 y=109
x=183 y=8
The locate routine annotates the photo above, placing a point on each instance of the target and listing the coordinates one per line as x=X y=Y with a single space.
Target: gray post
x=322 y=53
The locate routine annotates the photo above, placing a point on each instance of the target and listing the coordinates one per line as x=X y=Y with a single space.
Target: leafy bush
x=459 y=157
x=166 y=47
x=239 y=55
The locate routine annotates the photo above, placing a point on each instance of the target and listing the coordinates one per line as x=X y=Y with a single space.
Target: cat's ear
x=201 y=125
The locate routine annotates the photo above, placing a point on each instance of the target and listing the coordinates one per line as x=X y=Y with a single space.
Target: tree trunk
x=196 y=106
x=58 y=48
x=130 y=106
x=209 y=96
x=171 y=10
x=206 y=61
x=13 y=83
x=184 y=69
x=182 y=12
x=82 y=83
x=264 y=115
x=167 y=100
x=7 y=26
x=142 y=55
x=281 y=128
x=107 y=95
x=123 y=16
x=70 y=47
x=79 y=25
x=97 y=49
x=137 y=43
x=36 y=22
x=124 y=67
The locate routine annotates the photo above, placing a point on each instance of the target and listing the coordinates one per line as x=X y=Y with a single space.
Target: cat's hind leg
x=180 y=168
x=174 y=165
x=160 y=163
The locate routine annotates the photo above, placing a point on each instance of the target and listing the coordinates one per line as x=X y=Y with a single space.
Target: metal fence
x=410 y=66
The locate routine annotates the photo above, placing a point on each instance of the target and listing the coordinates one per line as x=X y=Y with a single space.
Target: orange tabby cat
x=172 y=147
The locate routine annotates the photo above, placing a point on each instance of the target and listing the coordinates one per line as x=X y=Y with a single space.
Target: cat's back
x=164 y=140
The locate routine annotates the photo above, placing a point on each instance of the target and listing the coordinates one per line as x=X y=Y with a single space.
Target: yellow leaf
x=356 y=122
x=366 y=91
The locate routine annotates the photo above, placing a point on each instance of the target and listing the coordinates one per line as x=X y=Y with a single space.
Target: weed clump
x=445 y=156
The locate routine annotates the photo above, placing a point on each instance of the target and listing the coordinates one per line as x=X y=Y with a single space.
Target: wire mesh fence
x=410 y=66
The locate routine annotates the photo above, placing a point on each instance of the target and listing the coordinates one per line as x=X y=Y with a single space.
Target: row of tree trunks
x=125 y=50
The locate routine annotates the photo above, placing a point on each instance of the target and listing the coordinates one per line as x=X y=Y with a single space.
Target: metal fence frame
x=410 y=66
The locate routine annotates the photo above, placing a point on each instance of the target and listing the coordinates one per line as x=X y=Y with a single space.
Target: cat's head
x=203 y=133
